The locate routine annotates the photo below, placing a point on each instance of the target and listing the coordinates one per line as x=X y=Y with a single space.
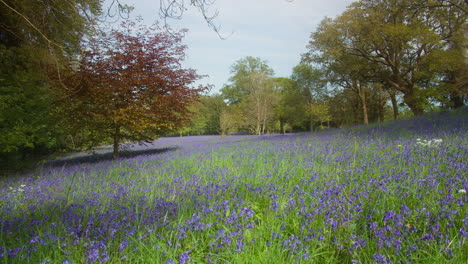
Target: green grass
x=342 y=196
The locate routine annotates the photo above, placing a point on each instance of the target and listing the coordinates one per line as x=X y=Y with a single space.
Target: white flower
x=462 y=191
x=22 y=185
x=423 y=143
x=432 y=142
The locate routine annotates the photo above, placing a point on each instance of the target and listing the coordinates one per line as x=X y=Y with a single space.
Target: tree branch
x=31 y=24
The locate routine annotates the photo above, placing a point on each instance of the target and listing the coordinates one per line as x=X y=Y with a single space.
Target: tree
x=320 y=113
x=205 y=116
x=395 y=43
x=241 y=85
x=311 y=81
x=448 y=19
x=37 y=40
x=134 y=87
x=260 y=102
x=400 y=45
x=291 y=108
x=344 y=108
x=54 y=26
x=252 y=88
x=342 y=69
x=231 y=119
x=24 y=103
x=215 y=106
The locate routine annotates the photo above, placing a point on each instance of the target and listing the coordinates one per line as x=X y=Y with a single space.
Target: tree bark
x=362 y=95
x=381 y=105
x=458 y=80
x=413 y=103
x=409 y=97
x=456 y=101
x=394 y=104
x=258 y=118
x=115 y=153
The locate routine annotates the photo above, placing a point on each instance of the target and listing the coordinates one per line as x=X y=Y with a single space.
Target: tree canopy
x=400 y=43
x=134 y=87
x=37 y=38
x=66 y=83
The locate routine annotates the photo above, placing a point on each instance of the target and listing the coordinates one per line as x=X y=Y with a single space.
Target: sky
x=274 y=30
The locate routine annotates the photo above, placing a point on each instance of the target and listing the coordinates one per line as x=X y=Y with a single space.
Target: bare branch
x=175 y=9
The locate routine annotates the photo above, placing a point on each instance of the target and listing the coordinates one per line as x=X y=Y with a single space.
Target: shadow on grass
x=99 y=157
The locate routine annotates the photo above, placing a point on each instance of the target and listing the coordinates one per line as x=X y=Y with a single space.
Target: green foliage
x=252 y=89
x=231 y=119
x=242 y=78
x=310 y=81
x=408 y=45
x=319 y=112
x=56 y=27
x=206 y=116
x=291 y=109
x=38 y=39
x=25 y=103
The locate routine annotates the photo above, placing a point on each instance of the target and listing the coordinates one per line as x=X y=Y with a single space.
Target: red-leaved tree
x=133 y=86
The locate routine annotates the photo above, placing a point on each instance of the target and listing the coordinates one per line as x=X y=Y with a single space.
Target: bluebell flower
x=184 y=257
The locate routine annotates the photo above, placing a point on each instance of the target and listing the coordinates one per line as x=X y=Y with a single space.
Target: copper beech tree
x=133 y=86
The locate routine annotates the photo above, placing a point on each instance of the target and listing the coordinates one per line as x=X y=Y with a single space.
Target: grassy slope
x=367 y=194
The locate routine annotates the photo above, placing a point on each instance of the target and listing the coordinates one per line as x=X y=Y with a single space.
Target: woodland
x=67 y=83
x=360 y=156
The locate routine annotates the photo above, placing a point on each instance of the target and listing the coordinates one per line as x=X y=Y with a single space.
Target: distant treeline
x=377 y=60
x=67 y=84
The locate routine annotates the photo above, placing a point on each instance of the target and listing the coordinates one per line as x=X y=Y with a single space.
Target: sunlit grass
x=359 y=195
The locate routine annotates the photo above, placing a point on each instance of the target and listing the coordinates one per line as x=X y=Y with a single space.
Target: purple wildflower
x=381 y=259
x=92 y=255
x=123 y=245
x=463 y=233
x=184 y=257
x=247 y=212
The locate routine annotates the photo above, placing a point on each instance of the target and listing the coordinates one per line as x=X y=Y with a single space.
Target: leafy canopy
x=134 y=86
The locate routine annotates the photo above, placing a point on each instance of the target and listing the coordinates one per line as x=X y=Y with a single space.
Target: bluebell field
x=384 y=193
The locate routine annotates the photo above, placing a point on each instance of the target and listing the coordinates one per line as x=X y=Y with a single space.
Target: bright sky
x=274 y=30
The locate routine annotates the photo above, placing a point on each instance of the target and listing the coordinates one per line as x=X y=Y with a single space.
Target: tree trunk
x=456 y=100
x=457 y=79
x=263 y=125
x=115 y=153
x=394 y=105
x=413 y=103
x=362 y=95
x=381 y=105
x=258 y=115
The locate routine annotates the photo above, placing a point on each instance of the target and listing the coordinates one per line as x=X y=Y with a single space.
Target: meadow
x=385 y=193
